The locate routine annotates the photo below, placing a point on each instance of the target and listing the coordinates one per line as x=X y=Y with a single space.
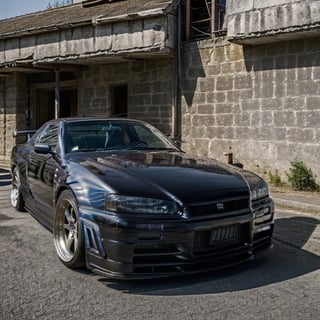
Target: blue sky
x=13 y=8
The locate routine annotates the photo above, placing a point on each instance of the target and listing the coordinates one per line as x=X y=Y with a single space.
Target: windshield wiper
x=151 y=148
x=127 y=148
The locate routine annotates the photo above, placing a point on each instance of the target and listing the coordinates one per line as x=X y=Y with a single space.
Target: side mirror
x=42 y=148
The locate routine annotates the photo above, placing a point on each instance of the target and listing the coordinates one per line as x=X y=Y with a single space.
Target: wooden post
x=213 y=16
x=57 y=94
x=187 y=15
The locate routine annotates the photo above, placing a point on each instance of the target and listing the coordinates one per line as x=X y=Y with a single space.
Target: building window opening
x=119 y=101
x=203 y=18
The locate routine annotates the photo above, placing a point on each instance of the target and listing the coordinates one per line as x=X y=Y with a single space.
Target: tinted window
x=111 y=134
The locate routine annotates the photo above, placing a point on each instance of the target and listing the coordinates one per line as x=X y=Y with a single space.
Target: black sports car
x=124 y=201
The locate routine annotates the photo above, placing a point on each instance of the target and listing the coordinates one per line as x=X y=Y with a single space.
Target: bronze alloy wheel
x=68 y=236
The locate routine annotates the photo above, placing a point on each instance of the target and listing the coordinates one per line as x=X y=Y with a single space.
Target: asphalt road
x=283 y=284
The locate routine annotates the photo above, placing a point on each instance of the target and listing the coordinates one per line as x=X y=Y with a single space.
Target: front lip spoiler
x=141 y=276
x=146 y=276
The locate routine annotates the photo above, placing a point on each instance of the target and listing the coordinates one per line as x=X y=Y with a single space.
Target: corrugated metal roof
x=75 y=14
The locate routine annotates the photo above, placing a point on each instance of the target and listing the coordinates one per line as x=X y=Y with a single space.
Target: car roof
x=84 y=119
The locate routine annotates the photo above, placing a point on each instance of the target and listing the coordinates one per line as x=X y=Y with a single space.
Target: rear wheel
x=67 y=231
x=16 y=194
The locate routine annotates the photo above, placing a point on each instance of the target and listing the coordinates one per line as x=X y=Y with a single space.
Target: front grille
x=207 y=241
x=220 y=207
x=215 y=247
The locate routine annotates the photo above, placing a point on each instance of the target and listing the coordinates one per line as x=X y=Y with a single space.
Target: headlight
x=260 y=191
x=129 y=204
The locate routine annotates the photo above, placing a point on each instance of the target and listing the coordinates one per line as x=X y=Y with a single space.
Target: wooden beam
x=213 y=16
x=187 y=15
x=61 y=66
x=51 y=85
x=42 y=67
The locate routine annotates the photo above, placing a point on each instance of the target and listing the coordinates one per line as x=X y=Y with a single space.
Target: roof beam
x=41 y=67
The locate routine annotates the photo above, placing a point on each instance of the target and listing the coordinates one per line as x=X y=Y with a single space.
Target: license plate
x=225 y=235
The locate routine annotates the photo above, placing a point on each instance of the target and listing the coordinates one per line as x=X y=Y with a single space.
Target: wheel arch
x=59 y=191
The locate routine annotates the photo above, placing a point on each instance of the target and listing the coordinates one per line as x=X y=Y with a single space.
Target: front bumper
x=129 y=248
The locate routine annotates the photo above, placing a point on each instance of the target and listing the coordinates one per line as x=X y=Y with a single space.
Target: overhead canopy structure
x=90 y=32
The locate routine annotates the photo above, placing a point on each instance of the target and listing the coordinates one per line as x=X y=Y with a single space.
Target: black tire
x=16 y=197
x=67 y=231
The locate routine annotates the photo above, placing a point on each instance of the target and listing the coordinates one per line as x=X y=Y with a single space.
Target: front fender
x=88 y=189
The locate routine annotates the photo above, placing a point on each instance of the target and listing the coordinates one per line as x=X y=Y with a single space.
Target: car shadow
x=5 y=183
x=286 y=260
x=5 y=177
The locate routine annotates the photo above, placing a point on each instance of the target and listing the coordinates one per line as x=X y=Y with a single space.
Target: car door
x=41 y=169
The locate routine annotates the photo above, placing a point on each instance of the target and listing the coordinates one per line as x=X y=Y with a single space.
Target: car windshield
x=99 y=135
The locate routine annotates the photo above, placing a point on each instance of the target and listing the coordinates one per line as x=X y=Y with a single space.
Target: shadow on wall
x=192 y=69
x=5 y=177
x=283 y=55
x=296 y=57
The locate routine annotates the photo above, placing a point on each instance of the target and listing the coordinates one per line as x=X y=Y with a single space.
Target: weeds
x=301 y=178
x=275 y=179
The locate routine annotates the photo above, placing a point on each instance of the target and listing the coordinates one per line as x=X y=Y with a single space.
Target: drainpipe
x=57 y=94
x=176 y=114
x=187 y=19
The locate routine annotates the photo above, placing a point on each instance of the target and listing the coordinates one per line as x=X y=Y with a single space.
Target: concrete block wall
x=124 y=37
x=262 y=21
x=13 y=100
x=150 y=90
x=261 y=102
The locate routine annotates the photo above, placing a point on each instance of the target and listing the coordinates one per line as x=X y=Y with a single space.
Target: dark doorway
x=45 y=109
x=68 y=103
x=119 y=100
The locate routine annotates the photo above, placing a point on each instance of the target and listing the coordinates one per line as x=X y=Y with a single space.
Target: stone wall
x=262 y=102
x=150 y=90
x=13 y=100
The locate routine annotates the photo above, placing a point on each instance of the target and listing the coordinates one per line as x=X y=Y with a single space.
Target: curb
x=296 y=205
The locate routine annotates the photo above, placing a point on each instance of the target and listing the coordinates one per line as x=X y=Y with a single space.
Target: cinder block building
x=218 y=75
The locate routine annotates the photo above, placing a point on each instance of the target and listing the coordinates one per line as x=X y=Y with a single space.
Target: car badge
x=220 y=206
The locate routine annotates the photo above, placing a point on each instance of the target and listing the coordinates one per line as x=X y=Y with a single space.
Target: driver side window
x=49 y=136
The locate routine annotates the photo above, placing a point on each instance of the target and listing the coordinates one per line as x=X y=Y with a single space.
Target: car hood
x=171 y=175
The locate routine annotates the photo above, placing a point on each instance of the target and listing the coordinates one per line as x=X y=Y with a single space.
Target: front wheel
x=67 y=231
x=15 y=193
